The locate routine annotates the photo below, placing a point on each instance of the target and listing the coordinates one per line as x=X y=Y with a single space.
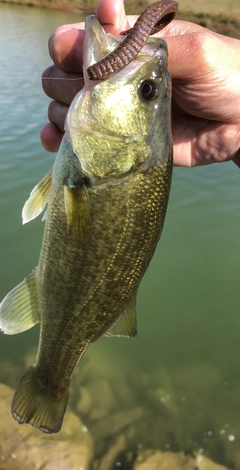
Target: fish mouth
x=98 y=44
x=152 y=20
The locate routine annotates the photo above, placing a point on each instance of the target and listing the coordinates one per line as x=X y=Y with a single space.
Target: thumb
x=111 y=14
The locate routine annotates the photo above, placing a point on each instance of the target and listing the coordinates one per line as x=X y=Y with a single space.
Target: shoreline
x=60 y=5
x=224 y=23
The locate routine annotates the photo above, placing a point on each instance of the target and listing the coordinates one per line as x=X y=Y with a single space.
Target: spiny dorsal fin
x=78 y=212
x=19 y=309
x=37 y=199
x=126 y=325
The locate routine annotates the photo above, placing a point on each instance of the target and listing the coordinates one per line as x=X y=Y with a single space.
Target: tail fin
x=33 y=403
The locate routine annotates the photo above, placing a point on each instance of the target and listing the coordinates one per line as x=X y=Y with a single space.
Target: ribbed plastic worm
x=152 y=20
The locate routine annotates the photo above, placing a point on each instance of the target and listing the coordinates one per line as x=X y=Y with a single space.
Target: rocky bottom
x=133 y=422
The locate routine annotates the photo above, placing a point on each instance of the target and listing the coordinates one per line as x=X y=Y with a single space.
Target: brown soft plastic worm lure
x=152 y=20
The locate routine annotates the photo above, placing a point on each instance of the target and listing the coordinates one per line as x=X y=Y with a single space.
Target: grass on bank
x=221 y=23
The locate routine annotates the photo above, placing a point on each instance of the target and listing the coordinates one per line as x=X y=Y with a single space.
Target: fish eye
x=148 y=90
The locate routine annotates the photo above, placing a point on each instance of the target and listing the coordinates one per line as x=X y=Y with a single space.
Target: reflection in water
x=176 y=386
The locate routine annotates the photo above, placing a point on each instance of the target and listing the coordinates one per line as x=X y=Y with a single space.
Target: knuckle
x=46 y=83
x=57 y=114
x=52 y=110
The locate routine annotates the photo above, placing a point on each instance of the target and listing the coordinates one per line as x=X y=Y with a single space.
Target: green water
x=188 y=343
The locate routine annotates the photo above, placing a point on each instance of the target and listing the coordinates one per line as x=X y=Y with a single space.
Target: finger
x=51 y=137
x=111 y=14
x=180 y=28
x=61 y=86
x=184 y=40
x=65 y=47
x=57 y=114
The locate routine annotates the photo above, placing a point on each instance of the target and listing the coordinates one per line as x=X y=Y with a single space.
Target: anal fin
x=126 y=325
x=37 y=199
x=19 y=309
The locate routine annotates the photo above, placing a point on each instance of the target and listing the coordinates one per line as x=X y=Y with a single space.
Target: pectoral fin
x=126 y=325
x=19 y=309
x=38 y=199
x=77 y=212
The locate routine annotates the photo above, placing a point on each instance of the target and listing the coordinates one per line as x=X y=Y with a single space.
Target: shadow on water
x=176 y=386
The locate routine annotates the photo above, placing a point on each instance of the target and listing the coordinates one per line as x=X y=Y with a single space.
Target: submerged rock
x=236 y=460
x=84 y=404
x=23 y=447
x=115 y=423
x=102 y=399
x=110 y=459
x=156 y=460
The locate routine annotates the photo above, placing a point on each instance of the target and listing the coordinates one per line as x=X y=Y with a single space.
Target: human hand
x=63 y=80
x=205 y=69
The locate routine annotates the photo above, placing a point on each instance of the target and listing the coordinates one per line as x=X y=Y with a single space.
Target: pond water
x=182 y=371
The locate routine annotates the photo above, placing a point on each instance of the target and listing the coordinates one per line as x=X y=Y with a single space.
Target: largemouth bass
x=107 y=196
